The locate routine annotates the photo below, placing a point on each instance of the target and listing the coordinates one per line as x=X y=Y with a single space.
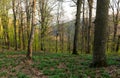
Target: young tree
x=22 y=29
x=15 y=26
x=115 y=6
x=4 y=8
x=101 y=24
x=90 y=4
x=118 y=44
x=28 y=15
x=60 y=29
x=83 y=28
x=45 y=7
x=31 y=38
x=77 y=24
x=21 y=25
x=43 y=20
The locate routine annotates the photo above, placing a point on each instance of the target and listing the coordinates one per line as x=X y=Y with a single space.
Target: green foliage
x=13 y=70
x=4 y=73
x=112 y=61
x=58 y=65
x=53 y=71
x=105 y=75
x=54 y=76
x=15 y=53
x=22 y=75
x=73 y=66
x=1 y=63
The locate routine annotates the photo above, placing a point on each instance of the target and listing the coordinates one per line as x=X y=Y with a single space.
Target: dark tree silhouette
x=77 y=24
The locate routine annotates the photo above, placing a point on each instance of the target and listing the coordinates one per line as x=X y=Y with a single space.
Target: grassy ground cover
x=55 y=65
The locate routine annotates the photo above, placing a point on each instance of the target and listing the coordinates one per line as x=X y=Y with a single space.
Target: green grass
x=57 y=65
x=14 y=53
x=4 y=73
x=74 y=66
x=22 y=75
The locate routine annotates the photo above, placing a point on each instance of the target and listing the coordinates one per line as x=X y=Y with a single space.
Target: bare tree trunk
x=101 y=24
x=20 y=34
x=62 y=41
x=43 y=13
x=28 y=14
x=5 y=21
x=23 y=34
x=58 y=26
x=68 y=40
x=118 y=44
x=90 y=3
x=15 y=27
x=56 y=44
x=31 y=38
x=83 y=28
x=115 y=22
x=77 y=24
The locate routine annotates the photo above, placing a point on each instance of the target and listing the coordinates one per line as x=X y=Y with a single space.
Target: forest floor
x=55 y=65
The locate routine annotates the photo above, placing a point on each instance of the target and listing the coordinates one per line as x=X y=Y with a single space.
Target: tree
x=28 y=15
x=118 y=44
x=31 y=38
x=45 y=7
x=90 y=4
x=15 y=26
x=60 y=29
x=101 y=24
x=4 y=8
x=77 y=24
x=43 y=20
x=115 y=5
x=83 y=28
x=22 y=29
x=21 y=25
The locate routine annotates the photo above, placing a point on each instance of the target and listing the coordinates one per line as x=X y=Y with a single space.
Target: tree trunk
x=77 y=24
x=118 y=44
x=31 y=38
x=20 y=34
x=116 y=22
x=23 y=34
x=90 y=3
x=5 y=21
x=15 y=28
x=28 y=17
x=83 y=28
x=56 y=43
x=101 y=24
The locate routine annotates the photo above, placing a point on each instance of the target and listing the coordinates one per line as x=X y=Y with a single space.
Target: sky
x=69 y=11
